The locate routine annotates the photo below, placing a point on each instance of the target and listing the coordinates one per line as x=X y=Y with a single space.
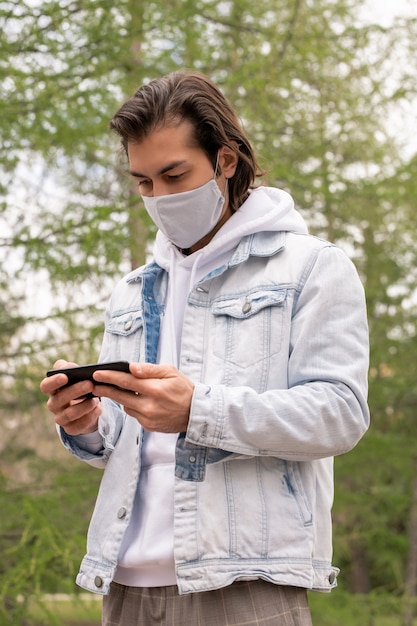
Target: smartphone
x=85 y=372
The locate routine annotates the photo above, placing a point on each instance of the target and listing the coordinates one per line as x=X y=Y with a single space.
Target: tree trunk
x=360 y=582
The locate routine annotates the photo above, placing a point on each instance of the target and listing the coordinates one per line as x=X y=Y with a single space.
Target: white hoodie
x=146 y=557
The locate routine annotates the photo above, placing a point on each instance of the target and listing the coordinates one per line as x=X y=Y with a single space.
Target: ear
x=228 y=160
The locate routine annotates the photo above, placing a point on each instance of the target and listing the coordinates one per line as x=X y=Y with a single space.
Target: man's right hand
x=75 y=413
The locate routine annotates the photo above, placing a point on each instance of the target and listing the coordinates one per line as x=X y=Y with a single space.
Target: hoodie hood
x=267 y=209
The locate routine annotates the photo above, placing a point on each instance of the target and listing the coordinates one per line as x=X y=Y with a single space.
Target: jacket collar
x=263 y=244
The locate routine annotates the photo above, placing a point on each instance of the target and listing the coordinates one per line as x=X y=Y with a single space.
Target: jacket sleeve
x=110 y=426
x=324 y=411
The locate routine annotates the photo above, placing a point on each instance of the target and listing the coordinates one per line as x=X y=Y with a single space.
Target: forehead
x=162 y=145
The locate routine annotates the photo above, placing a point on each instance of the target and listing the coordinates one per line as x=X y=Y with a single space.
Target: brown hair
x=194 y=97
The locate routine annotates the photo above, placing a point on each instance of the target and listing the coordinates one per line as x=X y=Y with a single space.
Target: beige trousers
x=242 y=604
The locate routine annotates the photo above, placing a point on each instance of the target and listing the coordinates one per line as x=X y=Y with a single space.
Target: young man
x=248 y=346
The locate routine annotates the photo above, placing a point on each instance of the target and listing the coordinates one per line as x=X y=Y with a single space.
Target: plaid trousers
x=245 y=603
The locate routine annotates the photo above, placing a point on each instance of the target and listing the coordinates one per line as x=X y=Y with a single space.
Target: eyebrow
x=163 y=170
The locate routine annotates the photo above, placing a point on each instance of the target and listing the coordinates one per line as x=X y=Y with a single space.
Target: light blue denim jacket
x=276 y=342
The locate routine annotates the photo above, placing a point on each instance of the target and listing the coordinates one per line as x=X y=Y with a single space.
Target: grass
x=78 y=610
x=340 y=607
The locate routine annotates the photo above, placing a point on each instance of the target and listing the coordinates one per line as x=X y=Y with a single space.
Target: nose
x=159 y=188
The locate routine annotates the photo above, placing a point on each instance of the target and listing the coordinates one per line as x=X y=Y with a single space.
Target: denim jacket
x=276 y=343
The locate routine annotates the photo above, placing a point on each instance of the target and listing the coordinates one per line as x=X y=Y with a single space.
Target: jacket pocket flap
x=249 y=304
x=125 y=323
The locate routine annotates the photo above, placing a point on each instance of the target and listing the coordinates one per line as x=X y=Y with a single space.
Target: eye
x=144 y=183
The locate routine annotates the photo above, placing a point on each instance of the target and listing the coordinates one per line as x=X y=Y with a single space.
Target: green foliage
x=371 y=509
x=42 y=537
x=344 y=608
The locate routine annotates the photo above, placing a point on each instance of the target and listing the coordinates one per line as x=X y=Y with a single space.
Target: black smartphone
x=85 y=372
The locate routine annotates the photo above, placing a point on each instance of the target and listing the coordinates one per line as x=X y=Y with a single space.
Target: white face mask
x=186 y=217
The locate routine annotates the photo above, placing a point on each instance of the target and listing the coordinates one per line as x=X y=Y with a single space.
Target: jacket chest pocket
x=249 y=328
x=126 y=335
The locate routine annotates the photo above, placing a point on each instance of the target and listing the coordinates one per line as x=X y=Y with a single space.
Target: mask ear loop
x=226 y=188
x=217 y=165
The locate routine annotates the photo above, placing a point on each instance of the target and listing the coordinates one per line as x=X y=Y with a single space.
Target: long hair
x=191 y=96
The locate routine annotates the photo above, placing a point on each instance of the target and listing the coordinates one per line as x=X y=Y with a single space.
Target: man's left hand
x=158 y=396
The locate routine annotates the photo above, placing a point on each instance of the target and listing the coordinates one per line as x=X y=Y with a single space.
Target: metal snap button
x=121 y=513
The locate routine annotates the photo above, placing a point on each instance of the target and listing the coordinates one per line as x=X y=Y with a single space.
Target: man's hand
x=76 y=414
x=158 y=396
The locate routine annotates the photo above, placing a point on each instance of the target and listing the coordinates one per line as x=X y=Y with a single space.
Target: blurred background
x=326 y=90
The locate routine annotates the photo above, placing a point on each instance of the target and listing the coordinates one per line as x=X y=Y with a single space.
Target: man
x=248 y=349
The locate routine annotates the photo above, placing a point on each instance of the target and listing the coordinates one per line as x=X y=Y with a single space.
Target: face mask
x=186 y=217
